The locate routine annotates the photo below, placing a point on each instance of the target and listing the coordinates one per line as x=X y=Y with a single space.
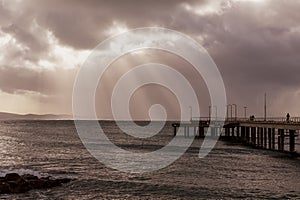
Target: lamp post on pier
x=245 y=112
x=216 y=112
x=210 y=111
x=265 y=108
x=191 y=113
x=235 y=111
x=229 y=105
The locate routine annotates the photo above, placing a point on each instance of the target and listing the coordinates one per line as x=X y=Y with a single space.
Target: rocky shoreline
x=14 y=183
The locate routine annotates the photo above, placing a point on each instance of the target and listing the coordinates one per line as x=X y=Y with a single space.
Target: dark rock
x=19 y=186
x=36 y=184
x=51 y=183
x=28 y=177
x=13 y=183
x=12 y=177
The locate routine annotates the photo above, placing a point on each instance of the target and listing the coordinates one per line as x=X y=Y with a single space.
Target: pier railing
x=242 y=119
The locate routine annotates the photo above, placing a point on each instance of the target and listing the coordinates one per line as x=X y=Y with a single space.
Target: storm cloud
x=255 y=44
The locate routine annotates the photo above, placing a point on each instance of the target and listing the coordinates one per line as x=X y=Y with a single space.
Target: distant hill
x=12 y=116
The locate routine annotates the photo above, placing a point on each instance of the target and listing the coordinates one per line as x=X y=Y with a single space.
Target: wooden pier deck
x=272 y=133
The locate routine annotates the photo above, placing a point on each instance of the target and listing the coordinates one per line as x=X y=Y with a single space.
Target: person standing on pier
x=288 y=117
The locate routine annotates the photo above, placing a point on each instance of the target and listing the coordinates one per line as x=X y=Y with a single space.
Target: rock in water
x=29 y=177
x=12 y=177
x=14 y=183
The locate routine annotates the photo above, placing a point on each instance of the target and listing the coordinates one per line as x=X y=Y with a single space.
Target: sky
x=254 y=43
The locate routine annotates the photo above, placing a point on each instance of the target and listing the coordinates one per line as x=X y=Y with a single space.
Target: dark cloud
x=255 y=45
x=257 y=50
x=83 y=24
x=5 y=15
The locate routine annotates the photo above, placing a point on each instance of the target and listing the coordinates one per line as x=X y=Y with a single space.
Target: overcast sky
x=255 y=44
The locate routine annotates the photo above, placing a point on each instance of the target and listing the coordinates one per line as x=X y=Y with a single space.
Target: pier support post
x=292 y=140
x=248 y=135
x=232 y=132
x=273 y=138
x=186 y=131
x=258 y=136
x=212 y=131
x=218 y=131
x=201 y=131
x=253 y=135
x=238 y=133
x=281 y=139
x=175 y=125
x=228 y=132
x=265 y=138
x=269 y=138
x=261 y=135
x=243 y=133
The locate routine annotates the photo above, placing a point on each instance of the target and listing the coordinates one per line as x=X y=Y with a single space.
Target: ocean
x=230 y=171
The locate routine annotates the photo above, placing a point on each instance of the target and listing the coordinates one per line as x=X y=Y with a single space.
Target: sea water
x=230 y=171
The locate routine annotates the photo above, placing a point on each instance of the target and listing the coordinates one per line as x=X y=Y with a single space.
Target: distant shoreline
x=99 y=120
x=14 y=116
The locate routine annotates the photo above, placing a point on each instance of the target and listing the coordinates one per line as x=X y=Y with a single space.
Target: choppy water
x=229 y=172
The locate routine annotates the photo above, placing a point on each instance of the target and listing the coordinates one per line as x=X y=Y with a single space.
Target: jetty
x=277 y=133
